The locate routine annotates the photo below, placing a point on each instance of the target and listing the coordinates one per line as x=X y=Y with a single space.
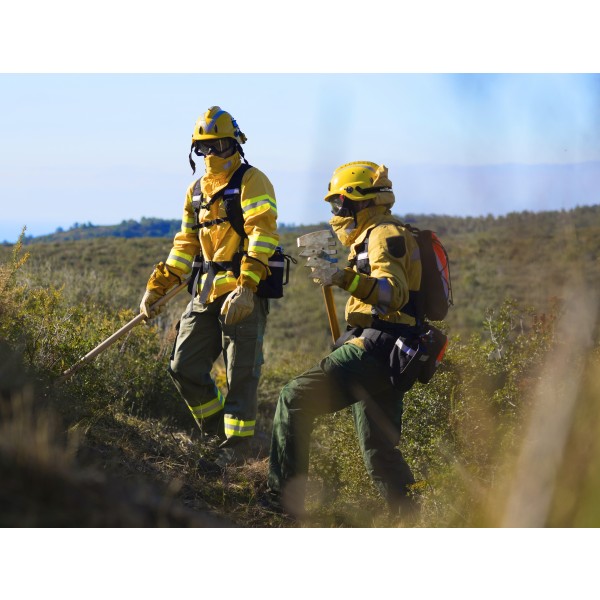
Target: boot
x=234 y=451
x=213 y=430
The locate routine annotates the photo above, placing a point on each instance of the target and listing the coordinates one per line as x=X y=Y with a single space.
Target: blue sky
x=108 y=147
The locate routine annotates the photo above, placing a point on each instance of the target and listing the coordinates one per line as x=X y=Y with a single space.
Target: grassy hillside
x=115 y=446
x=531 y=257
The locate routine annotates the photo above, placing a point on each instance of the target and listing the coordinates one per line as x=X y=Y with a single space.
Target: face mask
x=215 y=165
x=347 y=230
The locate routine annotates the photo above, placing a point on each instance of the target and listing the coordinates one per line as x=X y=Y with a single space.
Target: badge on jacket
x=396 y=246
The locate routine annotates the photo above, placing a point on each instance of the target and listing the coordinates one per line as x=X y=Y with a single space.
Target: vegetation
x=115 y=446
x=145 y=227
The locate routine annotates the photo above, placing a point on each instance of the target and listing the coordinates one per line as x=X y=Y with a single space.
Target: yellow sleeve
x=185 y=244
x=259 y=209
x=395 y=259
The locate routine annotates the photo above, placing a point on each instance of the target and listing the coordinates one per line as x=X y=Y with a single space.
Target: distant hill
x=145 y=228
x=579 y=217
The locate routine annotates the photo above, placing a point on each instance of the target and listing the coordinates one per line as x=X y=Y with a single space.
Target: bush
x=457 y=430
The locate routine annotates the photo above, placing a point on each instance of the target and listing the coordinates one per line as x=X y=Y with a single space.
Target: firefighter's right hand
x=238 y=305
x=150 y=297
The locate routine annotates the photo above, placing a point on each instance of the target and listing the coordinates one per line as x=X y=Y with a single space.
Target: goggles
x=340 y=205
x=218 y=147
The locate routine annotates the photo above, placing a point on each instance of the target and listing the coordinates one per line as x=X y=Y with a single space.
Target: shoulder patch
x=396 y=246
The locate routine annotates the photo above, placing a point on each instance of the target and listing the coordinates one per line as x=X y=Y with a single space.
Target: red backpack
x=435 y=293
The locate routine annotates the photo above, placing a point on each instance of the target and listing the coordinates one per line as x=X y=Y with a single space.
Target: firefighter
x=225 y=316
x=382 y=280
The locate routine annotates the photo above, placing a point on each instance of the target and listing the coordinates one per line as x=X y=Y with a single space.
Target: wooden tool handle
x=118 y=334
x=331 y=312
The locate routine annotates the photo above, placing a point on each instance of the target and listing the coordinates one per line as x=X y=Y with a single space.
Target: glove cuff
x=252 y=272
x=361 y=286
x=346 y=279
x=162 y=279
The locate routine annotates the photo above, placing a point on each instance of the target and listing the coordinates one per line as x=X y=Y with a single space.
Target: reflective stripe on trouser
x=201 y=339
x=238 y=428
x=347 y=376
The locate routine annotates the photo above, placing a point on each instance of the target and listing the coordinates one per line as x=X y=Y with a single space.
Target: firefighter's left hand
x=238 y=305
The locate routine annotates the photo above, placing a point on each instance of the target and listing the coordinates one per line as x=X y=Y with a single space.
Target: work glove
x=324 y=270
x=163 y=278
x=328 y=276
x=238 y=305
x=358 y=284
x=150 y=297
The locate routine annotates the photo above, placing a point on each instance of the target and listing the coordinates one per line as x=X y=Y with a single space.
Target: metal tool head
x=319 y=247
x=317 y=243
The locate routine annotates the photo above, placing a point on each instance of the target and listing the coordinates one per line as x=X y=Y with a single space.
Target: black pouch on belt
x=378 y=343
x=435 y=343
x=279 y=266
x=417 y=359
x=406 y=361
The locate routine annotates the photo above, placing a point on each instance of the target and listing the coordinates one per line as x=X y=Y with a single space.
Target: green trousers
x=347 y=376
x=201 y=339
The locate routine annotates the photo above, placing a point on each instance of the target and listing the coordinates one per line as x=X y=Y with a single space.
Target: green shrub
x=457 y=430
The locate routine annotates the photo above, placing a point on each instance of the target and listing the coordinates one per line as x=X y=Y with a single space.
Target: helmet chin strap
x=239 y=149
x=355 y=211
x=192 y=163
x=354 y=208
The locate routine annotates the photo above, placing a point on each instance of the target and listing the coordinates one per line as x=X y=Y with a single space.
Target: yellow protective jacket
x=220 y=242
x=394 y=258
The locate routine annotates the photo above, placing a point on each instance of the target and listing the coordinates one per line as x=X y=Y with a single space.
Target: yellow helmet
x=354 y=181
x=216 y=124
x=216 y=130
x=359 y=181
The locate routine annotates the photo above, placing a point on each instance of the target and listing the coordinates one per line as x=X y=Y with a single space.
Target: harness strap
x=233 y=206
x=210 y=223
x=213 y=269
x=230 y=195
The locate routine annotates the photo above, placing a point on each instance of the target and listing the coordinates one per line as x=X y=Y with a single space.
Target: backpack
x=414 y=353
x=435 y=292
x=272 y=286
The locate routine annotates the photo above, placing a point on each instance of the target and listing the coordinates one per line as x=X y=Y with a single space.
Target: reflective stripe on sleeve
x=352 y=287
x=384 y=296
x=252 y=275
x=262 y=243
x=187 y=224
x=239 y=428
x=259 y=204
x=181 y=260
